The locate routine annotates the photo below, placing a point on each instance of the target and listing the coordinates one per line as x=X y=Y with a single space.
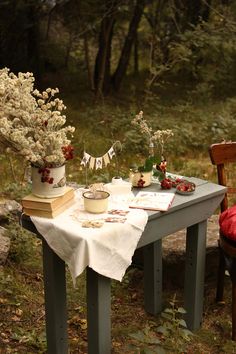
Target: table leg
x=153 y=277
x=98 y=313
x=55 y=301
x=194 y=274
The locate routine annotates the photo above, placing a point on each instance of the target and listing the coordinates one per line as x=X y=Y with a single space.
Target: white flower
x=40 y=102
x=31 y=122
x=159 y=137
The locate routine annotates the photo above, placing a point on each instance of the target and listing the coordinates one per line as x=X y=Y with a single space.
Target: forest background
x=173 y=59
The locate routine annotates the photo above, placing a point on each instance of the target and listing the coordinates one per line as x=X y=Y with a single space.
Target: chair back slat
x=231 y=190
x=223 y=153
x=220 y=155
x=222 y=179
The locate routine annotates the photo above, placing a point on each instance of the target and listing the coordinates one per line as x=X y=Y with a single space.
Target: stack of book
x=45 y=207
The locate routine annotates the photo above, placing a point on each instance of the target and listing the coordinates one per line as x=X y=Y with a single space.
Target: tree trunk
x=136 y=56
x=193 y=11
x=126 y=51
x=206 y=10
x=197 y=10
x=88 y=62
x=49 y=21
x=33 y=40
x=102 y=74
x=19 y=36
x=153 y=18
x=68 y=50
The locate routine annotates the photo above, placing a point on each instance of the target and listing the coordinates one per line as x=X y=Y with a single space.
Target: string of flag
x=98 y=162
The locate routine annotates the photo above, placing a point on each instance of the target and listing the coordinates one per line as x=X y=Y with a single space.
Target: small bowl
x=185 y=188
x=96 y=205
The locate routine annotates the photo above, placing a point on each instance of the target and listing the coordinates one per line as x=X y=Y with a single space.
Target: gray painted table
x=190 y=212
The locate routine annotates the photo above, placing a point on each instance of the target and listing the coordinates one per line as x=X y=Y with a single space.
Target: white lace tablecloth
x=108 y=250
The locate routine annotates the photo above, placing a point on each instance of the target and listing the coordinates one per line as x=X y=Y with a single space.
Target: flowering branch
x=159 y=137
x=141 y=123
x=31 y=122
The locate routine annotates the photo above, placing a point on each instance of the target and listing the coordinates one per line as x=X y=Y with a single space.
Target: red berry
x=166 y=183
x=141 y=182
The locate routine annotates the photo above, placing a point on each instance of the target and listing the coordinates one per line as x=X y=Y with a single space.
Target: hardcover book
x=47 y=204
x=49 y=213
x=160 y=201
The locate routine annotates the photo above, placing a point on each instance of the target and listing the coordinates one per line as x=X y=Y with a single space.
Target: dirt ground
x=174 y=245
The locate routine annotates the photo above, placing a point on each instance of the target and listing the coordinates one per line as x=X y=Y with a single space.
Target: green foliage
x=149 y=163
x=173 y=328
x=195 y=127
x=229 y=347
x=22 y=241
x=171 y=335
x=203 y=53
x=16 y=190
x=207 y=53
x=31 y=338
x=146 y=341
x=133 y=142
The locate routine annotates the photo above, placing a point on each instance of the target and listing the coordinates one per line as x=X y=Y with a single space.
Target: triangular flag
x=106 y=159
x=85 y=159
x=98 y=162
x=91 y=162
x=111 y=152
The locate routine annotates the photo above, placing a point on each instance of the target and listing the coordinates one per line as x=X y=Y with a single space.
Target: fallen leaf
x=2 y=300
x=19 y=312
x=15 y=318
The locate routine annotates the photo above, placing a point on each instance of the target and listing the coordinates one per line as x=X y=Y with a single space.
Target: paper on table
x=152 y=200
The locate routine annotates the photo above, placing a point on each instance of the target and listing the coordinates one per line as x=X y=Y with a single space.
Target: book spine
x=48 y=206
x=48 y=214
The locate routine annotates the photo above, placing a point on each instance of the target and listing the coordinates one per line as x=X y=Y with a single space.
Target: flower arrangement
x=31 y=122
x=158 y=137
x=154 y=164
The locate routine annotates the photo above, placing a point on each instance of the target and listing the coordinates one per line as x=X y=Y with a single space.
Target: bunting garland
x=111 y=152
x=98 y=162
x=106 y=159
x=91 y=162
x=85 y=159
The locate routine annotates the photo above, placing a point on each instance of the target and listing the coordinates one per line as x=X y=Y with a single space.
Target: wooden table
x=190 y=212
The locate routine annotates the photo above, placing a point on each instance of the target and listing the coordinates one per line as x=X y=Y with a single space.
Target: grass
x=196 y=124
x=22 y=307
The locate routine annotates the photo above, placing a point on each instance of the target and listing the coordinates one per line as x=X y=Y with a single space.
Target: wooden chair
x=222 y=155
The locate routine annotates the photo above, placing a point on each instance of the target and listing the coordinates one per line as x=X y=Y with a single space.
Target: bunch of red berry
x=162 y=166
x=68 y=152
x=45 y=172
x=168 y=183
x=140 y=183
x=186 y=187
